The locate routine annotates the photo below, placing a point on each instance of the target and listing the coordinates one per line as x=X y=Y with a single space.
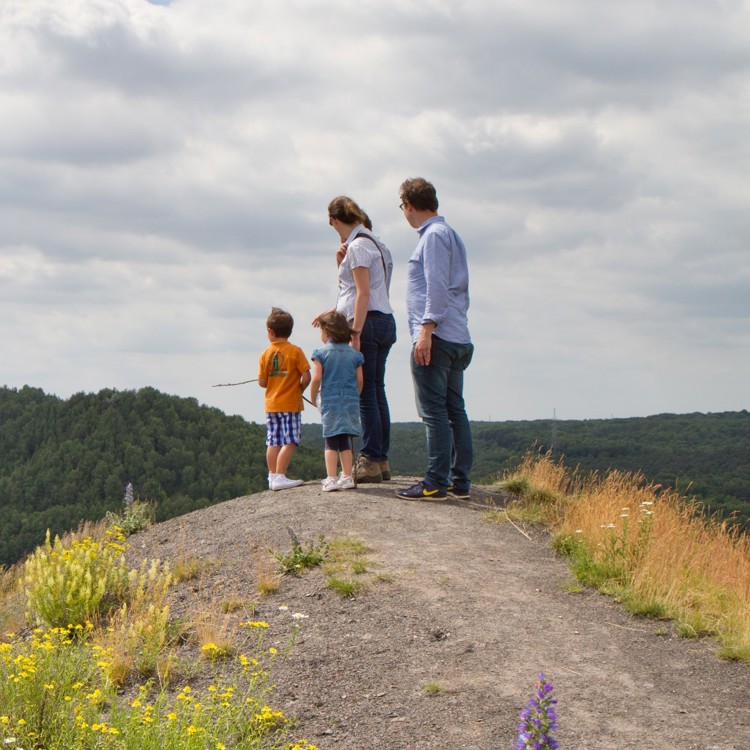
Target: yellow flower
x=255 y=624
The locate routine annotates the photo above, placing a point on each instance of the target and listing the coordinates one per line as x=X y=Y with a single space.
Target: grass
x=236 y=605
x=301 y=557
x=651 y=548
x=187 y=566
x=345 y=565
x=434 y=687
x=213 y=630
x=116 y=673
x=343 y=560
x=110 y=677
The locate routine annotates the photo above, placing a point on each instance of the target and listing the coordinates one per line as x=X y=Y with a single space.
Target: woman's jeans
x=375 y=341
x=439 y=388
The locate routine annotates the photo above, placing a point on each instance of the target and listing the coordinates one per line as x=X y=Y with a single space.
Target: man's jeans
x=375 y=342
x=438 y=388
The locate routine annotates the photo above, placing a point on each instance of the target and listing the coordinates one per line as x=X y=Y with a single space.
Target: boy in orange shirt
x=283 y=370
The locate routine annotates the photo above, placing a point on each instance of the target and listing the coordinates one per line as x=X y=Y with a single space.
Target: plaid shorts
x=283 y=427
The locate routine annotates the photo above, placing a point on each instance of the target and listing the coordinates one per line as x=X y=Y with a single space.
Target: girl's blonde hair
x=336 y=326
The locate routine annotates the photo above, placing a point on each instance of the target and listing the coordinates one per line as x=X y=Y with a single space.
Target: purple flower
x=538 y=720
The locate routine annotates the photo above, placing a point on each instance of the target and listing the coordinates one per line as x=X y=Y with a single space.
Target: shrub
x=71 y=585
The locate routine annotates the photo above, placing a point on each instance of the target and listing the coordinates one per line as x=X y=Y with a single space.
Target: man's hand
x=423 y=347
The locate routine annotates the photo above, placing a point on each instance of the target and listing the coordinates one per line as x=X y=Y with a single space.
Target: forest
x=63 y=461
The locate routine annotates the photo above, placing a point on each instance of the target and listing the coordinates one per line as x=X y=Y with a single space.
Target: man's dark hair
x=280 y=322
x=419 y=194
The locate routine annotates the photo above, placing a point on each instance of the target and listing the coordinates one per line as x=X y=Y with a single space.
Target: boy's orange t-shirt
x=283 y=364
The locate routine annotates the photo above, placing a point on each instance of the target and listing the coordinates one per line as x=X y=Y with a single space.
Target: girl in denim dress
x=335 y=388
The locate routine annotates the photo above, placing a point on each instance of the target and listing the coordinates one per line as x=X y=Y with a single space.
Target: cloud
x=165 y=169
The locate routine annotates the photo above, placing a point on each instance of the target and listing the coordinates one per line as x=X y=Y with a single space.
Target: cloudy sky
x=165 y=169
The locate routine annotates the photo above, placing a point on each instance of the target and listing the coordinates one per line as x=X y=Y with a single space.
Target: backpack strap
x=382 y=257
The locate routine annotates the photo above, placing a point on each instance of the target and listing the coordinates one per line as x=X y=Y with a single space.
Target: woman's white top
x=365 y=251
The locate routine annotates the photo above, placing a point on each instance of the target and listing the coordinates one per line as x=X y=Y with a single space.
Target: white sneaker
x=346 y=482
x=282 y=483
x=271 y=478
x=330 y=484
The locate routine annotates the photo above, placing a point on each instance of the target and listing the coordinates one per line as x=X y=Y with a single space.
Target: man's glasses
x=402 y=205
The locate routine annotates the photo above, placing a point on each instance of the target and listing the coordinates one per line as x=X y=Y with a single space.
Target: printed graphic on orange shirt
x=278 y=366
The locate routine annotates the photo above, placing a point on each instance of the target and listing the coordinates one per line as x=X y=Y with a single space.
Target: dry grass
x=214 y=633
x=651 y=547
x=137 y=637
x=12 y=604
x=186 y=566
x=267 y=577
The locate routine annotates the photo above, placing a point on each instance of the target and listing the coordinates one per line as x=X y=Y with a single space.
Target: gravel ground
x=468 y=609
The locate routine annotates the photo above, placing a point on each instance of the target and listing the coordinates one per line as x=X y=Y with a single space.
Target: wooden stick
x=254 y=380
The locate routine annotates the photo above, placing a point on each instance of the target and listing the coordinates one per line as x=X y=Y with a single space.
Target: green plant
x=345 y=587
x=50 y=685
x=135 y=517
x=538 y=720
x=71 y=585
x=55 y=694
x=138 y=632
x=300 y=558
x=518 y=485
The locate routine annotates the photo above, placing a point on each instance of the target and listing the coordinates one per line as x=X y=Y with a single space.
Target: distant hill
x=64 y=461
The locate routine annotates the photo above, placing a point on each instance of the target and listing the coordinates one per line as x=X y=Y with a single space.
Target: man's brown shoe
x=367 y=471
x=385 y=470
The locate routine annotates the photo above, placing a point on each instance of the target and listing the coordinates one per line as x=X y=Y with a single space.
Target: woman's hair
x=420 y=194
x=336 y=326
x=348 y=212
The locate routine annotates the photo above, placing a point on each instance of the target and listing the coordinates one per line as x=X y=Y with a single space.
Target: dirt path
x=475 y=608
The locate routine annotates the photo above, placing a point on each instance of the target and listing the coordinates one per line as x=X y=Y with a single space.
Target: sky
x=165 y=171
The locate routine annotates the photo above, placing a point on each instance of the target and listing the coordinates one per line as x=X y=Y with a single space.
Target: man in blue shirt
x=437 y=301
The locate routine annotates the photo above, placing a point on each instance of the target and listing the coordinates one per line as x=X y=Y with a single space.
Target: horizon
x=415 y=420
